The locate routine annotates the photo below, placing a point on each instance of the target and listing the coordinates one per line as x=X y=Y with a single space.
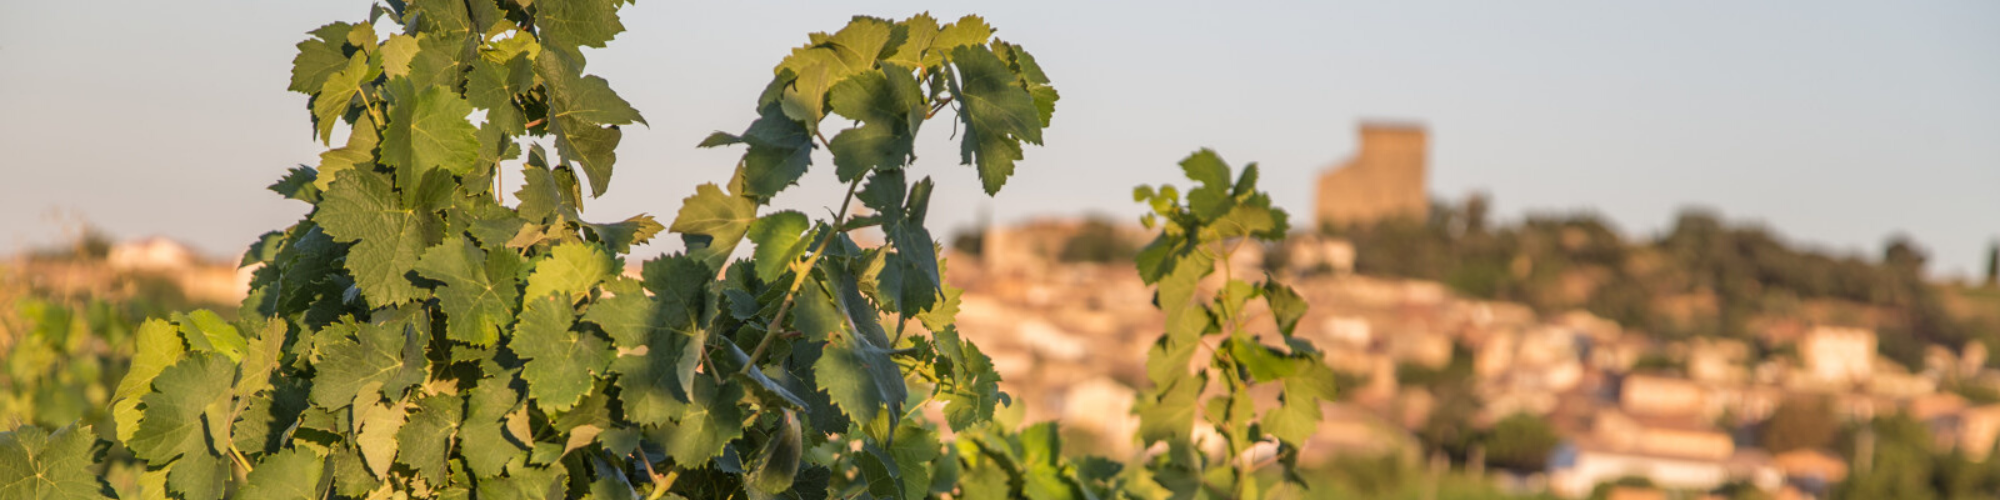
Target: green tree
x=1521 y=442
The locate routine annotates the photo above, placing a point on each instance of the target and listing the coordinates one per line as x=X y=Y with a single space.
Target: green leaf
x=526 y=483
x=1287 y=307
x=713 y=223
x=890 y=105
x=479 y=291
x=298 y=185
x=566 y=25
x=580 y=109
x=156 y=347
x=492 y=86
x=914 y=448
x=621 y=236
x=780 y=150
x=201 y=476
x=827 y=61
x=780 y=242
x=561 y=363
x=570 y=270
x=861 y=379
x=1032 y=78
x=208 y=332
x=37 y=465
x=968 y=31
x=336 y=95
x=358 y=154
x=584 y=98
x=483 y=441
x=260 y=358
x=441 y=16
x=1211 y=198
x=1263 y=363
x=292 y=474
x=973 y=390
x=379 y=424
x=711 y=421
x=424 y=443
x=388 y=237
x=437 y=61
x=354 y=357
x=1167 y=413
x=655 y=387
x=431 y=132
x=779 y=466
x=998 y=114
x=172 y=425
x=320 y=57
x=918 y=33
x=541 y=199
x=625 y=313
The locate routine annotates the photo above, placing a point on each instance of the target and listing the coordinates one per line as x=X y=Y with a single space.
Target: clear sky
x=1837 y=122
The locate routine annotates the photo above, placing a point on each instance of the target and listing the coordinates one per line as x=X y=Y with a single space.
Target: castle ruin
x=1384 y=180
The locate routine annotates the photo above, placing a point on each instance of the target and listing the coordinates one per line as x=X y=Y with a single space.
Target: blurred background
x=1556 y=249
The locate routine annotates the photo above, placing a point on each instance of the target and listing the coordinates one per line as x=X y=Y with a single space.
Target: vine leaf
x=998 y=114
x=974 y=388
x=336 y=95
x=208 y=332
x=292 y=474
x=890 y=107
x=379 y=424
x=566 y=25
x=358 y=154
x=561 y=364
x=430 y=133
x=712 y=223
x=157 y=346
x=479 y=289
x=1167 y=413
x=827 y=61
x=570 y=270
x=321 y=56
x=780 y=242
x=483 y=441
x=388 y=237
x=1297 y=418
x=621 y=236
x=356 y=357
x=424 y=442
x=656 y=387
x=711 y=421
x=172 y=426
x=861 y=379
x=583 y=116
x=36 y=464
x=780 y=150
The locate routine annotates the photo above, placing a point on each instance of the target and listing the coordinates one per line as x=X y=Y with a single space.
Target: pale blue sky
x=1839 y=123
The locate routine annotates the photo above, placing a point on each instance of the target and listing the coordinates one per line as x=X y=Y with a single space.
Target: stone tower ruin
x=1384 y=180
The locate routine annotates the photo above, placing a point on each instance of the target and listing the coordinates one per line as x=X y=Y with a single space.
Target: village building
x=1385 y=180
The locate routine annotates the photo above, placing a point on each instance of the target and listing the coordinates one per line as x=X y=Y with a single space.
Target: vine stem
x=799 y=278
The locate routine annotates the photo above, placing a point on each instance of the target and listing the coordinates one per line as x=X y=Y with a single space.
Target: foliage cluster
x=416 y=337
x=1900 y=462
x=1192 y=380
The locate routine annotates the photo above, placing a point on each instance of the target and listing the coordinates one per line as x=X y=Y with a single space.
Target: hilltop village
x=1550 y=396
